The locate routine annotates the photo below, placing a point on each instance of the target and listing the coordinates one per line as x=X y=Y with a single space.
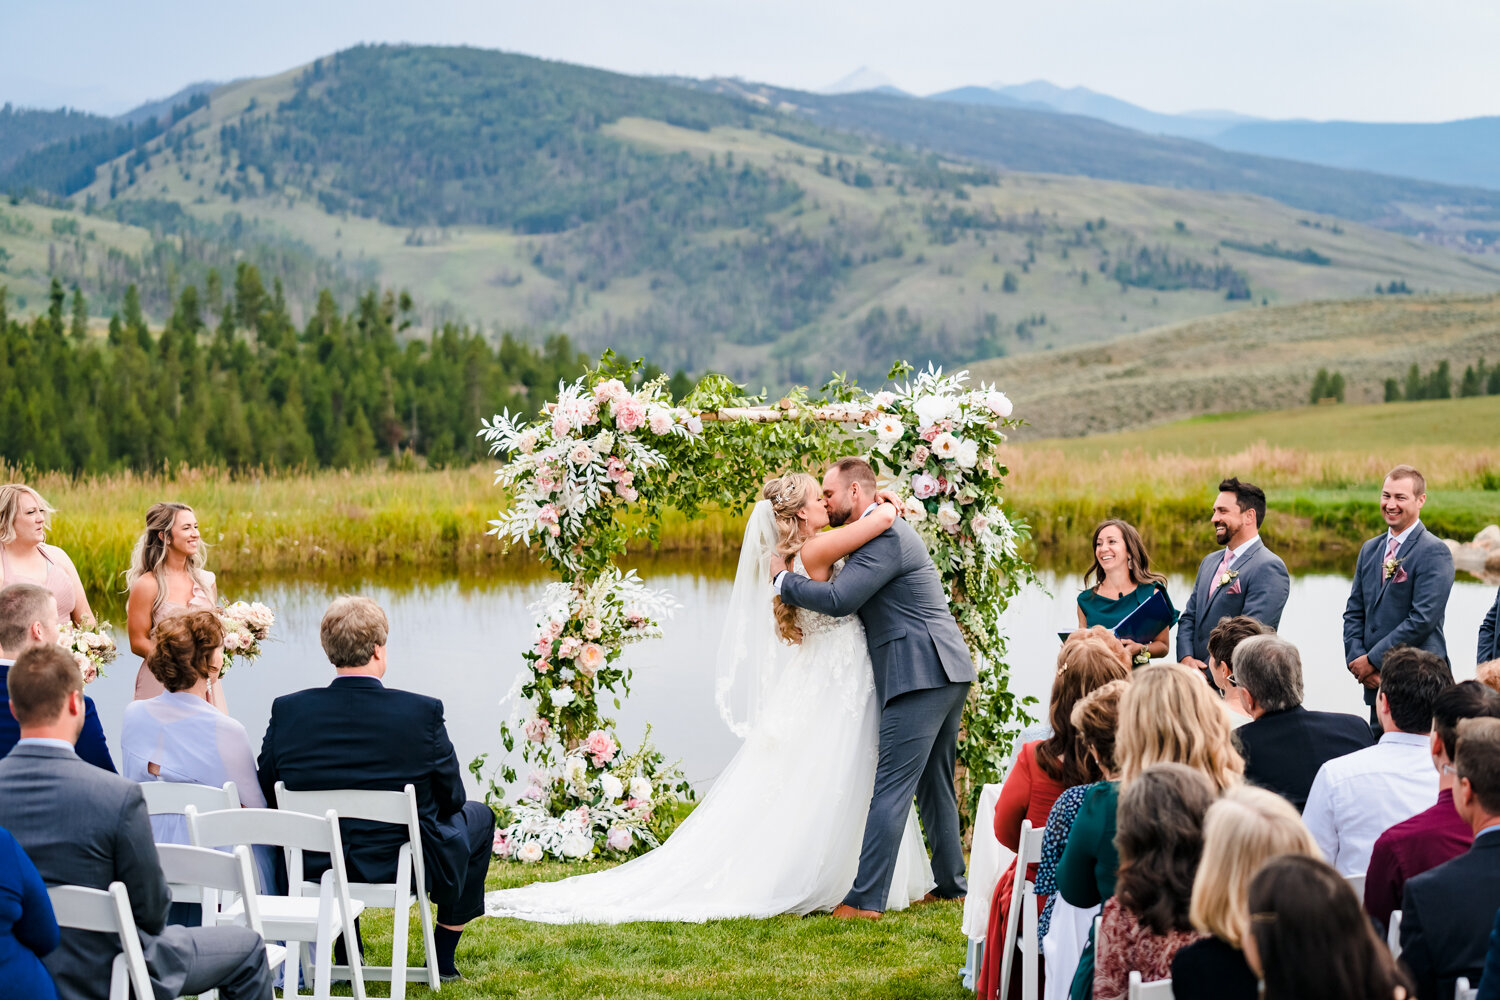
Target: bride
x=780 y=830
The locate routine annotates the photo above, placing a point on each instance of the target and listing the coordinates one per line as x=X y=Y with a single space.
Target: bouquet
x=245 y=626
x=92 y=648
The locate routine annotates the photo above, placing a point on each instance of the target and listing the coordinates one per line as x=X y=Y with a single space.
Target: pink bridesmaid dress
x=56 y=580
x=146 y=684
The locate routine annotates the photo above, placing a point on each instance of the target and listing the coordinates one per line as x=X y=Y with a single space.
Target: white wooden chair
x=224 y=882
x=173 y=797
x=1159 y=990
x=1393 y=934
x=108 y=913
x=1017 y=926
x=1357 y=883
x=308 y=920
x=1463 y=991
x=410 y=884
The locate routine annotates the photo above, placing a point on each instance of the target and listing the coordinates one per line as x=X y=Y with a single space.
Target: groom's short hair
x=856 y=470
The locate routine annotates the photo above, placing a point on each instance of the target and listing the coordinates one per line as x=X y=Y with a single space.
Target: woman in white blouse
x=179 y=735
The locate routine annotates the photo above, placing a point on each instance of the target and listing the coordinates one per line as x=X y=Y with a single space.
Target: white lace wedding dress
x=780 y=830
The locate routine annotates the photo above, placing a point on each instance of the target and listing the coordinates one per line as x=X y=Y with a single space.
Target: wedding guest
x=1489 y=634
x=1488 y=674
x=1489 y=983
x=341 y=737
x=1160 y=840
x=166 y=578
x=1446 y=913
x=1222 y=641
x=1357 y=797
x=1244 y=830
x=1437 y=833
x=1122 y=581
x=1401 y=584
x=1168 y=715
x=82 y=826
x=25 y=556
x=28 y=929
x=1244 y=578
x=1310 y=940
x=178 y=735
x=1044 y=768
x=28 y=617
x=1284 y=744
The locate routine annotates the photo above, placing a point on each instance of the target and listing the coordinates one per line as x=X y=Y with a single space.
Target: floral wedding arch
x=603 y=462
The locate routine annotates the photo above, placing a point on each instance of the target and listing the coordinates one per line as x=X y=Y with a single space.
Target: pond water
x=461 y=641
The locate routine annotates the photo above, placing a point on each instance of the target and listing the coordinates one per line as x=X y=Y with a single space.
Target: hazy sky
x=1374 y=60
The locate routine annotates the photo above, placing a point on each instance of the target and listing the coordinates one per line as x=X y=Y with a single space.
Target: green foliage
x=1326 y=386
x=1307 y=255
x=25 y=129
x=255 y=391
x=1436 y=384
x=1164 y=270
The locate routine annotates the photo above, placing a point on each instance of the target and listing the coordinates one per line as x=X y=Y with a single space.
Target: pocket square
x=1400 y=576
x=1234 y=587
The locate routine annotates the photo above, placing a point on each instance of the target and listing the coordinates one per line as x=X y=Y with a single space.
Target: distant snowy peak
x=860 y=80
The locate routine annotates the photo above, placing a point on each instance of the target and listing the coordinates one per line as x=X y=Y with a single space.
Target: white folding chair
x=1357 y=883
x=1463 y=991
x=1017 y=926
x=107 y=913
x=173 y=797
x=410 y=884
x=308 y=920
x=1393 y=934
x=221 y=881
x=1159 y=990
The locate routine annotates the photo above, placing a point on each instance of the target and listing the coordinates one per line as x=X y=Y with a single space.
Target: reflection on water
x=460 y=640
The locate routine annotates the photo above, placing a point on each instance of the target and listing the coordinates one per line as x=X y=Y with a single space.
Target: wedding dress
x=780 y=830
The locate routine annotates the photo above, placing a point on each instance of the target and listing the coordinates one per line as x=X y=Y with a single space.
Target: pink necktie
x=1223 y=568
x=1390 y=550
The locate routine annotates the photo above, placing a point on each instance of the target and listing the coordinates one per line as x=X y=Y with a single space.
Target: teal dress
x=1109 y=612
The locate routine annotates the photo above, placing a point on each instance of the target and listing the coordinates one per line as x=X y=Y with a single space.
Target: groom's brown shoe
x=846 y=912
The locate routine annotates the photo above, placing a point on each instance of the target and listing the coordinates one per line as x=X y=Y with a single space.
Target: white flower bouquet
x=246 y=625
x=92 y=648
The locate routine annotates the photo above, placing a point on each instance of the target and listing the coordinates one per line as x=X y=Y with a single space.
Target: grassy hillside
x=702 y=230
x=1261 y=359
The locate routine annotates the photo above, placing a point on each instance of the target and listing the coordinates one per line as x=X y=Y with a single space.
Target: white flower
x=999 y=404
x=562 y=697
x=948 y=515
x=611 y=786
x=694 y=424
x=526 y=443
x=882 y=400
x=577 y=845
x=604 y=443
x=640 y=787
x=575 y=770
x=610 y=389
x=581 y=454
x=946 y=446
x=913 y=509
x=968 y=454
x=889 y=430
x=529 y=852
x=932 y=409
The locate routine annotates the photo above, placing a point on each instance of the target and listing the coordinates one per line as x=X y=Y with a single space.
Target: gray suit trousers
x=918 y=749
x=193 y=960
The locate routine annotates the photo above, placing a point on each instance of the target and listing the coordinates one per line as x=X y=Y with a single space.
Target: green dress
x=1109 y=612
x=1086 y=873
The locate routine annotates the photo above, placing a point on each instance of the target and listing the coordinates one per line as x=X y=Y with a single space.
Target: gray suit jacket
x=1384 y=613
x=84 y=826
x=891 y=582
x=1489 y=634
x=1263 y=583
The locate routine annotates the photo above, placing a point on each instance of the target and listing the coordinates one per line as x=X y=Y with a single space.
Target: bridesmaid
x=25 y=556
x=166 y=578
x=1123 y=580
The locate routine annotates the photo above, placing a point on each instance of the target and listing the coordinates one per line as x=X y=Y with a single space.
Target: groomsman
x=1401 y=583
x=1489 y=634
x=1243 y=578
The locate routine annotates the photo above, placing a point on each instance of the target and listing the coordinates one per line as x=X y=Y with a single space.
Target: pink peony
x=547 y=516
x=660 y=420
x=619 y=839
x=919 y=454
x=537 y=730
x=560 y=426
x=615 y=470
x=593 y=628
x=610 y=389
x=569 y=647
x=501 y=845
x=543 y=666
x=630 y=414
x=544 y=645
x=923 y=486
x=600 y=747
x=590 y=658
x=627 y=493
x=928 y=433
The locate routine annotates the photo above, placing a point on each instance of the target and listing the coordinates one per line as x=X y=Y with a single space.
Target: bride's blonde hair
x=788 y=494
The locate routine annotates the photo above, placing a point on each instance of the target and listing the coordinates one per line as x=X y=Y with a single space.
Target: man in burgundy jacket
x=1437 y=834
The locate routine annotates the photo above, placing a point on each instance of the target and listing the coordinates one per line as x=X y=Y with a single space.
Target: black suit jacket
x=357 y=733
x=1283 y=750
x=1446 y=915
x=1212 y=969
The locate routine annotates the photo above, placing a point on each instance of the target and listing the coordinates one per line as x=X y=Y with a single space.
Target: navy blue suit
x=1263 y=582
x=1406 y=610
x=1489 y=634
x=1446 y=914
x=91 y=745
x=357 y=733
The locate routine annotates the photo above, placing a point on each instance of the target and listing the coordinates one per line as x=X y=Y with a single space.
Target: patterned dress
x=1059 y=822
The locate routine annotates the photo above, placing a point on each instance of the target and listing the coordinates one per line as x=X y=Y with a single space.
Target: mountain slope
x=25 y=129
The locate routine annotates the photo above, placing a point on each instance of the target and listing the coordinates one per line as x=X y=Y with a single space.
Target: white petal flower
x=640 y=787
x=946 y=446
x=934 y=408
x=562 y=697
x=611 y=786
x=968 y=454
x=889 y=430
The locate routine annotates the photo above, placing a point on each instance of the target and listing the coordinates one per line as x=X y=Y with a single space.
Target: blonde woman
x=1246 y=828
x=1167 y=715
x=25 y=556
x=166 y=577
x=780 y=830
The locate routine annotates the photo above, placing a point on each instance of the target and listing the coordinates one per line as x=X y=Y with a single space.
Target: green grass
x=913 y=954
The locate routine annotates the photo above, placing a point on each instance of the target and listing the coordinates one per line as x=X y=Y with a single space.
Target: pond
x=460 y=640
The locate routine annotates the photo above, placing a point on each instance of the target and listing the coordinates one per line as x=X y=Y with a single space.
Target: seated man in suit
x=28 y=617
x=84 y=826
x=1402 y=579
x=1438 y=833
x=1357 y=797
x=1446 y=913
x=357 y=733
x=1284 y=744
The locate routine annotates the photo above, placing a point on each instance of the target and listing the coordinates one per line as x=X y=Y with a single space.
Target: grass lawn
x=913 y=954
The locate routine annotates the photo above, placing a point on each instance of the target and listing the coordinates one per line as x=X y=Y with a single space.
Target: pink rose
x=619 y=839
x=554 y=628
x=569 y=647
x=919 y=454
x=593 y=628
x=630 y=415
x=544 y=645
x=560 y=426
x=537 y=730
x=590 y=658
x=923 y=486
x=628 y=493
x=501 y=845
x=543 y=666
x=615 y=470
x=547 y=516
x=600 y=747
x=928 y=433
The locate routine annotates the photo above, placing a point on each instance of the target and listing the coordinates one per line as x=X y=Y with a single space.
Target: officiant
x=1119 y=582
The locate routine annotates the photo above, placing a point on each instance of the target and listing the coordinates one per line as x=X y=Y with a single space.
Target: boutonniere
x=1227 y=577
x=1393 y=569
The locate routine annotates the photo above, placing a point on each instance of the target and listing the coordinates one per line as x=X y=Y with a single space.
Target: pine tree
x=1392 y=391
x=80 y=325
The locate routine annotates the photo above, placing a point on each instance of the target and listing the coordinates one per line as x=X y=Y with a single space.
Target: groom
x=922 y=676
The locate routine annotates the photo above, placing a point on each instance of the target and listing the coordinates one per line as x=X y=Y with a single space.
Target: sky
x=1363 y=60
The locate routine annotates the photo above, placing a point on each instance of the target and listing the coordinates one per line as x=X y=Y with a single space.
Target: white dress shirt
x=1357 y=797
x=190 y=741
x=1400 y=538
